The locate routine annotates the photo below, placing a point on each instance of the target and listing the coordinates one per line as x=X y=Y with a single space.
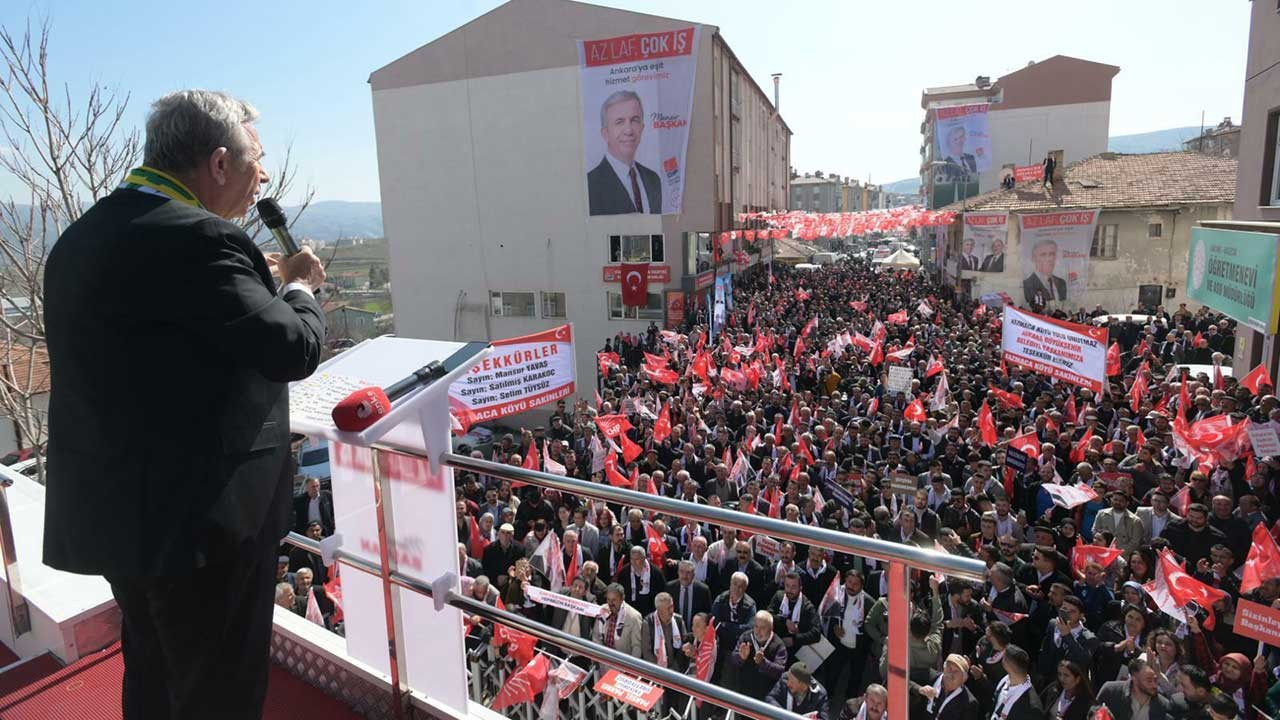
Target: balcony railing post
x=899 y=636
x=390 y=596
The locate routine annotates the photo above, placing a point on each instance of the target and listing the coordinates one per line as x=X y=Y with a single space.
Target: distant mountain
x=910 y=186
x=330 y=219
x=1155 y=141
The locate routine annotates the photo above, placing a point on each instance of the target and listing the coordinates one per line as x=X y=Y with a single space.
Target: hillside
x=330 y=219
x=1155 y=141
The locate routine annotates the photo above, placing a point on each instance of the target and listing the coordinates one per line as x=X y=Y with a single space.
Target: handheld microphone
x=273 y=217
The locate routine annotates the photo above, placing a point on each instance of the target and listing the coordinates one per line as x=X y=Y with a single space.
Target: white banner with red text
x=637 y=98
x=1067 y=351
x=520 y=374
x=564 y=602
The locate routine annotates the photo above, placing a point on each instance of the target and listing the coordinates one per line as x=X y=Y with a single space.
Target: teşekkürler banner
x=1067 y=351
x=520 y=374
x=637 y=96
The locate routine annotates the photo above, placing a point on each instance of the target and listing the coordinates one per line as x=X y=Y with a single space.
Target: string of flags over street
x=810 y=225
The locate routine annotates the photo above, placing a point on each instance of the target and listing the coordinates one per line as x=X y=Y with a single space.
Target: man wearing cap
x=948 y=698
x=798 y=692
x=501 y=555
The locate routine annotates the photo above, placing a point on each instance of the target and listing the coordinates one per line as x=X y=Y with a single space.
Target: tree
x=66 y=153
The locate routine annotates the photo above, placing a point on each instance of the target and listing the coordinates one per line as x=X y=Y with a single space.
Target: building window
x=1155 y=230
x=553 y=305
x=1104 y=242
x=635 y=248
x=512 y=304
x=1270 y=162
x=651 y=311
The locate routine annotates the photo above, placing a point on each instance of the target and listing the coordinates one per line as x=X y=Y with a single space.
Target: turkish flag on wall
x=635 y=284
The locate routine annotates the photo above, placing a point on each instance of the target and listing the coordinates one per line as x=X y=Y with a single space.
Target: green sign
x=1234 y=273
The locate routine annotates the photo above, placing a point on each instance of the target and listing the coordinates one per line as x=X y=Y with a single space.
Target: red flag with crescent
x=635 y=284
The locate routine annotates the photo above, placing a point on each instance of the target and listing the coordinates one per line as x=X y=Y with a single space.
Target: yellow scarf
x=156 y=182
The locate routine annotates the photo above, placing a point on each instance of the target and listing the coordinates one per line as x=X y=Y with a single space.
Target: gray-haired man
x=185 y=526
x=620 y=185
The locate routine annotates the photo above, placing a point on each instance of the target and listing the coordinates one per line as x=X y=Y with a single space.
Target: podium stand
x=384 y=505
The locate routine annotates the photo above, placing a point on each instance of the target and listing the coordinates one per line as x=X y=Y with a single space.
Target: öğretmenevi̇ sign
x=521 y=374
x=1067 y=351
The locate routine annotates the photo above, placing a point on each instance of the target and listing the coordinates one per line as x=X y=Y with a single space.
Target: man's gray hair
x=1043 y=242
x=185 y=127
x=878 y=690
x=614 y=99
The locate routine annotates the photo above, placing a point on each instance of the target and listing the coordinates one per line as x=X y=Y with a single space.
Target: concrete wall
x=1113 y=283
x=482 y=176
x=1261 y=98
x=1080 y=130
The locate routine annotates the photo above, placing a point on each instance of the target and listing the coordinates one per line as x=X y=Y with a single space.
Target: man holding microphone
x=169 y=469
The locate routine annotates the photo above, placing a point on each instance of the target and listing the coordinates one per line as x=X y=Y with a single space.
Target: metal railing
x=900 y=559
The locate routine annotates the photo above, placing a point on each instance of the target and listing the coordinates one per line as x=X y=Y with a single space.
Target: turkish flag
x=934 y=367
x=1069 y=410
x=1263 y=562
x=915 y=411
x=524 y=684
x=635 y=284
x=1113 y=359
x=531 y=460
x=662 y=426
x=898 y=318
x=1005 y=398
x=666 y=376
x=630 y=450
x=1138 y=391
x=1256 y=378
x=809 y=326
x=476 y=539
x=1027 y=443
x=877 y=355
x=611 y=473
x=1078 y=450
x=1082 y=555
x=657 y=546
x=656 y=361
x=1173 y=589
x=987 y=425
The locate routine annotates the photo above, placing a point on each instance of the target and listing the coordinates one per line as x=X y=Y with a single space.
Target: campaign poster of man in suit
x=1055 y=256
x=637 y=100
x=620 y=184
x=963 y=144
x=994 y=261
x=968 y=261
x=1042 y=283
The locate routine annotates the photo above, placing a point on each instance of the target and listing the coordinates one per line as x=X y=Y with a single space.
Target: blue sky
x=852 y=69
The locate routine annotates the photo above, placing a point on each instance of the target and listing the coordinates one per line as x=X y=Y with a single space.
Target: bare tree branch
x=282 y=182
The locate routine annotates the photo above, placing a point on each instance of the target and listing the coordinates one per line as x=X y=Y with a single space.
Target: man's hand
x=304 y=267
x=744 y=652
x=760 y=656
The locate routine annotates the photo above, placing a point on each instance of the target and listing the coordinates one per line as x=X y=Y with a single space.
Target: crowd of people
x=785 y=411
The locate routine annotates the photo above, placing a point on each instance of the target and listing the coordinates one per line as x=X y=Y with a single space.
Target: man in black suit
x=620 y=185
x=1042 y=281
x=1142 y=688
x=959 y=164
x=1015 y=698
x=184 y=526
x=313 y=505
x=968 y=261
x=691 y=597
x=994 y=262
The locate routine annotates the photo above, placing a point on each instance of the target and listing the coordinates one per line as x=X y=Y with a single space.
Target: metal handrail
x=666 y=677
x=884 y=550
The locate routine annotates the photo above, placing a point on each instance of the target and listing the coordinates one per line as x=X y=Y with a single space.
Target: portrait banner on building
x=520 y=374
x=637 y=98
x=963 y=140
x=1067 y=351
x=982 y=247
x=1055 y=255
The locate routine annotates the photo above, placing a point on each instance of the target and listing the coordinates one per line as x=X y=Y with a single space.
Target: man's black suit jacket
x=169 y=354
x=1031 y=284
x=606 y=195
x=993 y=263
x=699 y=602
x=301 y=505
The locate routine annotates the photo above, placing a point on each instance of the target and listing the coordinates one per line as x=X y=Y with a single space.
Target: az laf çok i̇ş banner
x=1055 y=255
x=637 y=98
x=520 y=374
x=1067 y=351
